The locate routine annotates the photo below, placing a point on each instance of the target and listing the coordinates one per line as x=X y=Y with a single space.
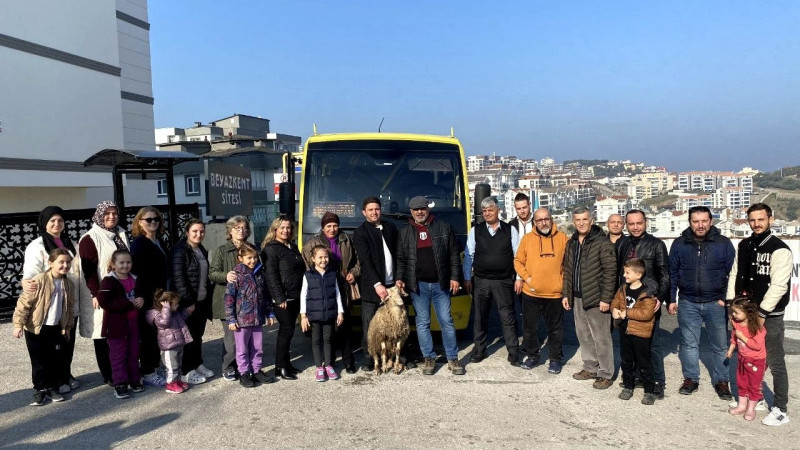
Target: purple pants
x=124 y=353
x=249 y=343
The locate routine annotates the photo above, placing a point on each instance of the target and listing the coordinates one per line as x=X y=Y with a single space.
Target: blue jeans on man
x=433 y=294
x=691 y=317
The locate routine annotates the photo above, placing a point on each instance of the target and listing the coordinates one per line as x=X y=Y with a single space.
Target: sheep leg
x=383 y=357
x=397 y=366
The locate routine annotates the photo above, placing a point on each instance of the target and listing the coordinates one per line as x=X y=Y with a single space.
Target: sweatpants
x=636 y=357
x=48 y=356
x=594 y=336
x=172 y=361
x=749 y=375
x=249 y=348
x=124 y=353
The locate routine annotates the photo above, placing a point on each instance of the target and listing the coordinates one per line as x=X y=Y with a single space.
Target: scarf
x=47 y=239
x=337 y=252
x=97 y=219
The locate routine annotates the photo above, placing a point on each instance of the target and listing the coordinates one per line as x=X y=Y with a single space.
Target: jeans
x=776 y=360
x=691 y=317
x=432 y=294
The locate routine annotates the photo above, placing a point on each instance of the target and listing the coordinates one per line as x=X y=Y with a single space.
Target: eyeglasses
x=239 y=228
x=151 y=219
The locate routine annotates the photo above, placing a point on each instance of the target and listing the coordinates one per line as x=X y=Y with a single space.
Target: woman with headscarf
x=149 y=253
x=343 y=259
x=95 y=249
x=284 y=271
x=52 y=235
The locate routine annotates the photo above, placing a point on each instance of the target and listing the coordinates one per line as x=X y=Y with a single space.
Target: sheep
x=388 y=331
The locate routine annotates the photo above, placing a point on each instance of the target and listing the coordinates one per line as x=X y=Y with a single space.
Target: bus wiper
x=399 y=216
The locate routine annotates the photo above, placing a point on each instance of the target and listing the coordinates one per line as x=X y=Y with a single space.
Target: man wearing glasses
x=490 y=253
x=699 y=263
x=653 y=252
x=538 y=263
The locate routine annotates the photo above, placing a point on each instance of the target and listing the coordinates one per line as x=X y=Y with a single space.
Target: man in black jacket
x=428 y=263
x=375 y=242
x=653 y=252
x=763 y=271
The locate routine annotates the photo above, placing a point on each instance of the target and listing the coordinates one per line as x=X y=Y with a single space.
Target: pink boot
x=741 y=407
x=750 y=413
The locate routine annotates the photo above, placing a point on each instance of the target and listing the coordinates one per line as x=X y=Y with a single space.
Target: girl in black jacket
x=285 y=269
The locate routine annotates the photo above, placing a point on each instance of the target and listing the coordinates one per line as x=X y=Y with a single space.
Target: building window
x=161 y=188
x=192 y=185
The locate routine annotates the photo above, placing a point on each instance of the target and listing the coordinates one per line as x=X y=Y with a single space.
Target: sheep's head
x=394 y=298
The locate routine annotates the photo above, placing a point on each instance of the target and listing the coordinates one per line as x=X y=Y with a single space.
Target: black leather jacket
x=445 y=253
x=653 y=252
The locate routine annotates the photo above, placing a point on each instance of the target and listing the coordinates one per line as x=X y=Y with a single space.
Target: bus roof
x=333 y=137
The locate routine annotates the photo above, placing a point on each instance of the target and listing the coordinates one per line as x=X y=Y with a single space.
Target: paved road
x=493 y=405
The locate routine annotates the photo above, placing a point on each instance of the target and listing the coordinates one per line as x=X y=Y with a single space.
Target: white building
x=606 y=206
x=76 y=79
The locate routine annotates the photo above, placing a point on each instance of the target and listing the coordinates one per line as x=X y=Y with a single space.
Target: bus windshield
x=338 y=175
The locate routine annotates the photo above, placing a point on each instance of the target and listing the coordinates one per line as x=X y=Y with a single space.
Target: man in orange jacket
x=538 y=263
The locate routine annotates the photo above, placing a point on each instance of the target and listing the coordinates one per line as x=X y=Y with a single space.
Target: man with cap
x=428 y=265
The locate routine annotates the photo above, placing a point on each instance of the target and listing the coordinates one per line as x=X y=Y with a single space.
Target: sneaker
x=332 y=375
x=584 y=375
x=776 y=418
x=193 y=377
x=429 y=366
x=39 y=398
x=73 y=383
x=455 y=367
x=154 y=379
x=320 y=374
x=513 y=360
x=602 y=383
x=182 y=384
x=64 y=389
x=554 y=367
x=530 y=362
x=658 y=390
x=174 y=388
x=137 y=387
x=204 y=371
x=723 y=391
x=263 y=377
x=761 y=405
x=648 y=399
x=55 y=395
x=689 y=386
x=247 y=380
x=626 y=394
x=121 y=391
x=230 y=375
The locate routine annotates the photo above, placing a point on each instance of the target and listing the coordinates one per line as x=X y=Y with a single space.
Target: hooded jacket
x=245 y=303
x=699 y=271
x=541 y=258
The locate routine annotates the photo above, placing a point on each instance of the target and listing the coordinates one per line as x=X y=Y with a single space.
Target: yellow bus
x=339 y=170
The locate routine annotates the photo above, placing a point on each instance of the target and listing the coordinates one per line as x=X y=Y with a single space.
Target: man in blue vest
x=491 y=247
x=763 y=271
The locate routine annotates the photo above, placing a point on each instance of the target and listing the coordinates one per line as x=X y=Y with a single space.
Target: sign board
x=230 y=190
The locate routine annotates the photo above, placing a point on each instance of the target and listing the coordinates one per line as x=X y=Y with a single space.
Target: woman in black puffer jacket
x=284 y=268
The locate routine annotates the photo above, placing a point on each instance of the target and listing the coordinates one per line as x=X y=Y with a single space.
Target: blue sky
x=684 y=84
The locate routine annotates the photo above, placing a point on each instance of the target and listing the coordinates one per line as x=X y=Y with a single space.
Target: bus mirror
x=481 y=192
x=286 y=198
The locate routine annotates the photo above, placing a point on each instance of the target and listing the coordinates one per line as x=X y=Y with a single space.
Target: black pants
x=69 y=348
x=101 y=353
x=343 y=340
x=322 y=342
x=636 y=357
x=776 y=360
x=149 y=353
x=367 y=313
x=193 y=351
x=287 y=318
x=501 y=292
x=532 y=308
x=47 y=351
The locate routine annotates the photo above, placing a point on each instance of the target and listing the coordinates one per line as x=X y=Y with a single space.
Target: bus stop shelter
x=143 y=162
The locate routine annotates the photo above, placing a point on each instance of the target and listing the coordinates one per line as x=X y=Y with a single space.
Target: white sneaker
x=205 y=371
x=193 y=377
x=775 y=418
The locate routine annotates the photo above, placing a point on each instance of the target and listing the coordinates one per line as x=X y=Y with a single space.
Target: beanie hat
x=329 y=217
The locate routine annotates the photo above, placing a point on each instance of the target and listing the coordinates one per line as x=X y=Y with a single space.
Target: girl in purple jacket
x=172 y=335
x=246 y=311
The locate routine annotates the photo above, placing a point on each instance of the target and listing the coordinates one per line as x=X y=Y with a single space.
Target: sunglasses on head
x=152 y=219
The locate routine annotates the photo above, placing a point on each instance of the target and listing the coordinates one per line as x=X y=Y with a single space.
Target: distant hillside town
x=614 y=187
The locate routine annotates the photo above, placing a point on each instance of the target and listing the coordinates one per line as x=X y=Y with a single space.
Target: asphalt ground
x=494 y=405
